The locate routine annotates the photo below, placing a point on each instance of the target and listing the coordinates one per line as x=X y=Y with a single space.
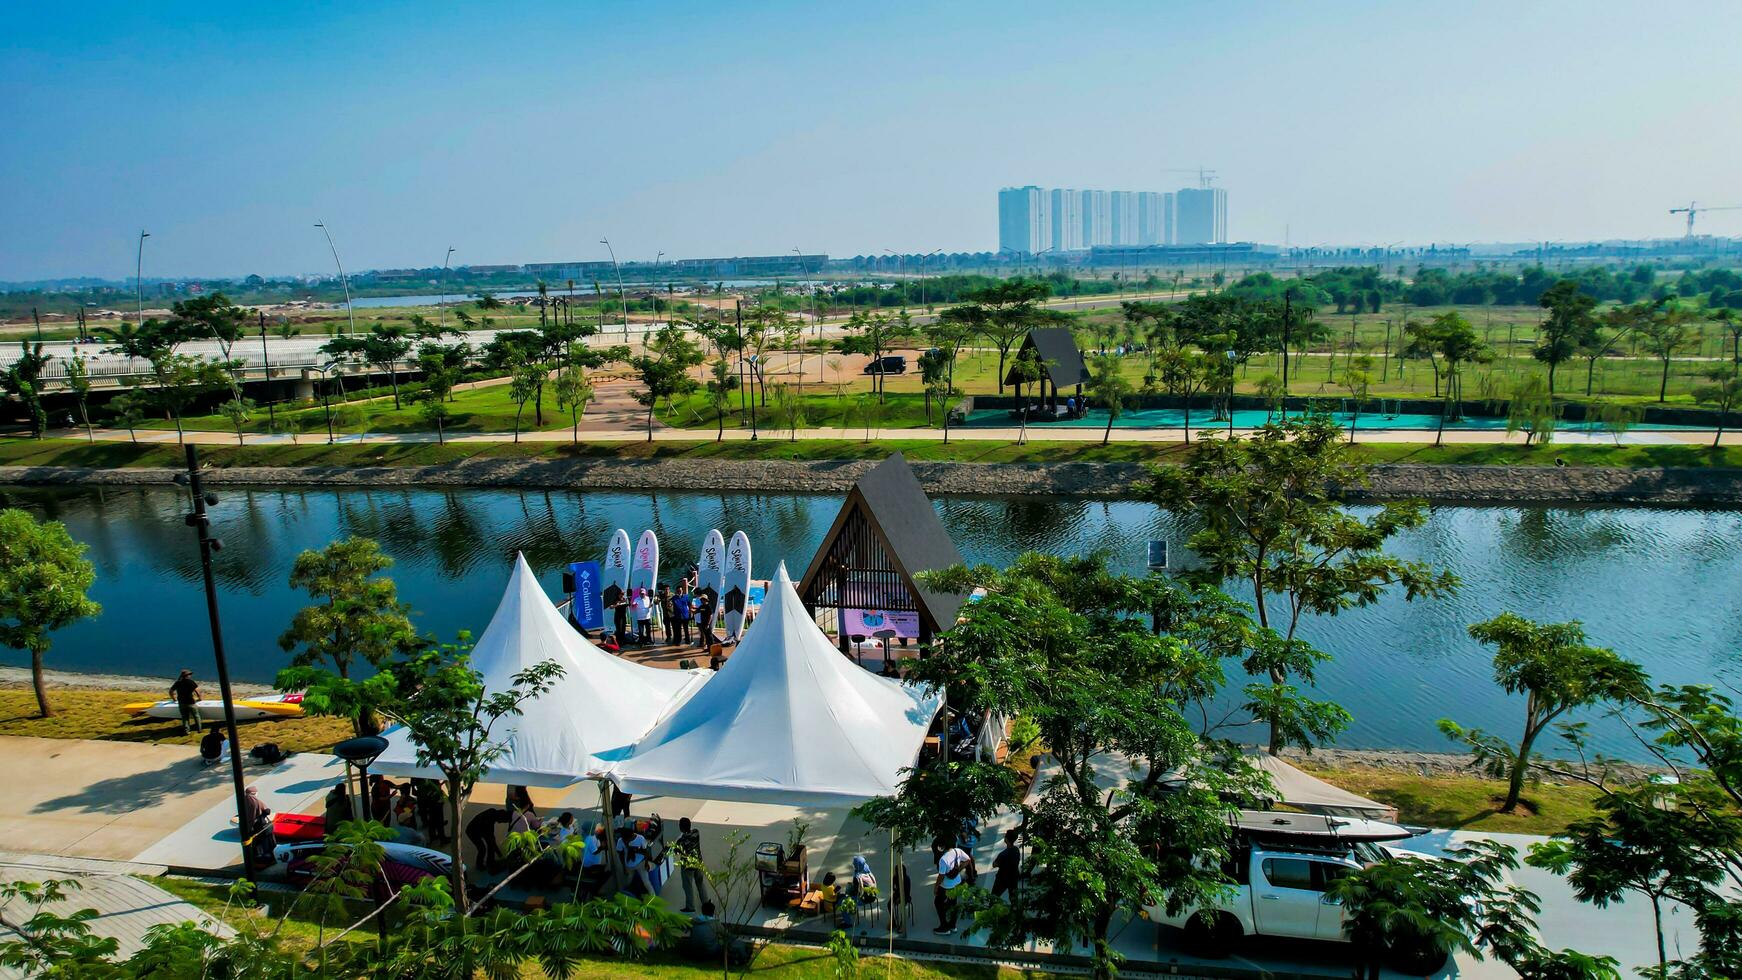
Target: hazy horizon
x=527 y=134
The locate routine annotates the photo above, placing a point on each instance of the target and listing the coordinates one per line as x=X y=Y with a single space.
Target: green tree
x=1069 y=645
x=357 y=615
x=384 y=346
x=524 y=380
x=442 y=366
x=435 y=412
x=452 y=720
x=1557 y=672
x=1005 y=312
x=1415 y=912
x=1357 y=379
x=44 y=576
x=949 y=332
x=1723 y=393
x=933 y=378
x=1266 y=516
x=1642 y=842
x=664 y=369
x=1665 y=334
x=572 y=394
x=874 y=334
x=1618 y=417
x=1532 y=410
x=23 y=379
x=1109 y=387
x=128 y=411
x=1025 y=369
x=789 y=409
x=1184 y=373
x=79 y=383
x=1568 y=327
x=721 y=384
x=1450 y=342
x=238 y=411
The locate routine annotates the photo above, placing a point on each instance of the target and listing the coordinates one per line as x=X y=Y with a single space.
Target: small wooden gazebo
x=1061 y=363
x=884 y=536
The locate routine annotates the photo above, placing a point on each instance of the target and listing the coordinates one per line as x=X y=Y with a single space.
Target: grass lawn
x=1466 y=802
x=98 y=715
x=117 y=455
x=781 y=962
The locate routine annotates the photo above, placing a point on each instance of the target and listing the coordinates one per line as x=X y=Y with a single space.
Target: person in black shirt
x=186 y=692
x=1007 y=866
x=481 y=831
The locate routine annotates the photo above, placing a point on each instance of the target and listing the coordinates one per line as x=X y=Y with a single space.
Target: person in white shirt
x=954 y=866
x=634 y=857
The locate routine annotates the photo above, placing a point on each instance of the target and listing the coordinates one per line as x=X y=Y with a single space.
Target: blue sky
x=526 y=132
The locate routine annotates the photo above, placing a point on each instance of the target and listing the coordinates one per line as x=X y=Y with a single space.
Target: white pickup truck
x=1282 y=865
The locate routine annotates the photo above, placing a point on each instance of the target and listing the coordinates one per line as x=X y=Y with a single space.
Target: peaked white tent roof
x=592 y=714
x=788 y=720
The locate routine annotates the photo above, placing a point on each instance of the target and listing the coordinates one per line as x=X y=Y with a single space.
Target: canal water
x=1659 y=586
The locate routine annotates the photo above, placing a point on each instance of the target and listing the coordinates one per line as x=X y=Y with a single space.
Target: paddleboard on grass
x=614 y=574
x=735 y=590
x=711 y=566
x=644 y=567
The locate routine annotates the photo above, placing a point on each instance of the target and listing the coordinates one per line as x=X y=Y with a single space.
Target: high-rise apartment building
x=1025 y=222
x=1032 y=220
x=1067 y=220
x=1154 y=218
x=1201 y=216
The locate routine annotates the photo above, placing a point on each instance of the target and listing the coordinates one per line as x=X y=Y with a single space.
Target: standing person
x=662 y=613
x=642 y=608
x=953 y=867
x=1007 y=866
x=432 y=809
x=186 y=692
x=680 y=610
x=704 y=620
x=633 y=854
x=688 y=851
x=338 y=808
x=620 y=619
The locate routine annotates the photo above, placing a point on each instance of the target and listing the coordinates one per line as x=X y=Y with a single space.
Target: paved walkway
x=127 y=907
x=1038 y=433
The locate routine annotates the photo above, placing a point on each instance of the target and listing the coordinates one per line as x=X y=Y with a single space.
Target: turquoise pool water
x=1174 y=418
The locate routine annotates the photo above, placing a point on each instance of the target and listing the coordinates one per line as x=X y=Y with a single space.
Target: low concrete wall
x=1445 y=484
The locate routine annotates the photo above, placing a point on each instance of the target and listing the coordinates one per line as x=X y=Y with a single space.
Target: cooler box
x=294 y=827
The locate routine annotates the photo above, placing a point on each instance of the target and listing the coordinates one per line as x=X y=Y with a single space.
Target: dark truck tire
x=1211 y=934
x=1417 y=958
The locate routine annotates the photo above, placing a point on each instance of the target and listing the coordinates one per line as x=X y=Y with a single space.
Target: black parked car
x=888 y=364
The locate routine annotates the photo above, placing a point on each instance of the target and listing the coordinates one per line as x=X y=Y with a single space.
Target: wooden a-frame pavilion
x=885 y=535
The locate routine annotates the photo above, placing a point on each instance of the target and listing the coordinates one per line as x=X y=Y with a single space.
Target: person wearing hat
x=186 y=692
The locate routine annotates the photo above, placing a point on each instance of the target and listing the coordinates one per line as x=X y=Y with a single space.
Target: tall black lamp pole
x=208 y=544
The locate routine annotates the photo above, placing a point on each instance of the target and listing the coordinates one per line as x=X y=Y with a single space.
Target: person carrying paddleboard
x=186 y=692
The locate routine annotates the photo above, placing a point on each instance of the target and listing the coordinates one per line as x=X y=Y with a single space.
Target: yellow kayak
x=247 y=709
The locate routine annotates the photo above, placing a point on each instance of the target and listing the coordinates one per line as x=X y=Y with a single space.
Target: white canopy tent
x=1304 y=791
x=588 y=719
x=788 y=720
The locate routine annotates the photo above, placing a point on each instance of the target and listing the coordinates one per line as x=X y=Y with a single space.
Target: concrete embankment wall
x=1446 y=484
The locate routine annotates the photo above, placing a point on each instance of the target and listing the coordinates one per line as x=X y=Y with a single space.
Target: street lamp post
x=442 y=307
x=266 y=366
x=139 y=283
x=201 y=523
x=343 y=279
x=655 y=285
x=327 y=398
x=923 y=260
x=361 y=751
x=622 y=296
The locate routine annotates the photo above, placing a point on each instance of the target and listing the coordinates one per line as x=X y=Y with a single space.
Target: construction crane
x=1205 y=177
x=1694 y=208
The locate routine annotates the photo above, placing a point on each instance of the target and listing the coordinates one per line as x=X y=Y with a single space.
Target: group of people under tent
x=416 y=810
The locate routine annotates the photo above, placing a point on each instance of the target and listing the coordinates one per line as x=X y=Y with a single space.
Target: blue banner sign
x=586 y=609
